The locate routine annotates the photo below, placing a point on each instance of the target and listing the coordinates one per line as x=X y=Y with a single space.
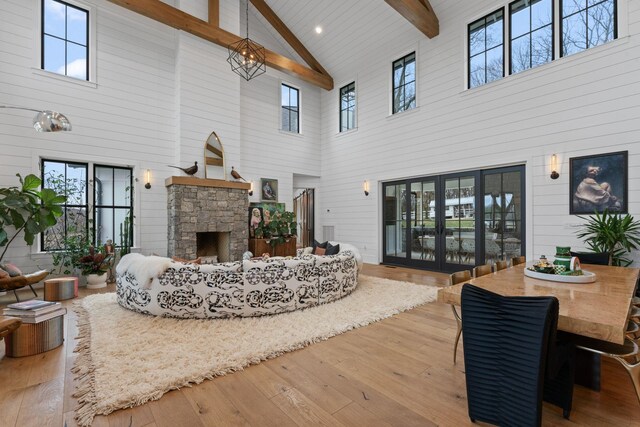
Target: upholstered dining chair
x=513 y=359
x=454 y=279
x=501 y=265
x=598 y=258
x=482 y=270
x=518 y=260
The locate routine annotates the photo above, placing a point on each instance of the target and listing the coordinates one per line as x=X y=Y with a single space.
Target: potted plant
x=27 y=210
x=94 y=266
x=611 y=233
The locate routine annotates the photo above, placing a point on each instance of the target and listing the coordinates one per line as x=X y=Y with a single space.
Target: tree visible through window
x=531 y=32
x=587 y=23
x=290 y=100
x=486 y=49
x=404 y=83
x=347 y=106
x=65 y=39
x=70 y=179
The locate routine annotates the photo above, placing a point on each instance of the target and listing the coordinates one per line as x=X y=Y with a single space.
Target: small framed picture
x=598 y=182
x=268 y=190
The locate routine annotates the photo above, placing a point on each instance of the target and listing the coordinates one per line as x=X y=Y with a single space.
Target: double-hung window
x=404 y=83
x=106 y=214
x=531 y=33
x=65 y=39
x=486 y=49
x=290 y=109
x=348 y=107
x=586 y=23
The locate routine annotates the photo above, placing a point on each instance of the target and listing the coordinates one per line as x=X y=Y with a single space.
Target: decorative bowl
x=548 y=269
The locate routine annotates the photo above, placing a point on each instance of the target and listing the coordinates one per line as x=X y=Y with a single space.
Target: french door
x=454 y=221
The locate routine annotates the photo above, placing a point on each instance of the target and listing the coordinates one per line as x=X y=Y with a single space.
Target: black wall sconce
x=148 y=179
x=251 y=188
x=365 y=187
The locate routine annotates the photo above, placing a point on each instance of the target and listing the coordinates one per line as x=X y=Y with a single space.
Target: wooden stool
x=60 y=288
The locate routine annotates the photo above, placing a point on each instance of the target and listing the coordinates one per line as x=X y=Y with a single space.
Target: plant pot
x=96 y=281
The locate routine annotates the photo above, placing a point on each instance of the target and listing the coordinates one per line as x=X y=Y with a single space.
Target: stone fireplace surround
x=206 y=206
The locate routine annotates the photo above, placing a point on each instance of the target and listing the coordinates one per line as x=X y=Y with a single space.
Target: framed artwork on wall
x=268 y=190
x=598 y=182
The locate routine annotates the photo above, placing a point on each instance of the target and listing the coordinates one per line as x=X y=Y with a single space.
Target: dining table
x=597 y=310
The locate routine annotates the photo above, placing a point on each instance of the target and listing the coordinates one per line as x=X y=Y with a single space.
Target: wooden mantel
x=201 y=182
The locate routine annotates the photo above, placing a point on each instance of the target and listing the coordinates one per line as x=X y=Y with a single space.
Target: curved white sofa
x=236 y=289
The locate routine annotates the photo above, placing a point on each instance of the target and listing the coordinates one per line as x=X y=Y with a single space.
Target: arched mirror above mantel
x=214 y=158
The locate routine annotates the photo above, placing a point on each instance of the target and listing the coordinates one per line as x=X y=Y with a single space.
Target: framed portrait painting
x=268 y=190
x=598 y=182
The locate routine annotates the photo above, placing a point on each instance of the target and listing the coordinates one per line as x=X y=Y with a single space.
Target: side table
x=35 y=338
x=60 y=288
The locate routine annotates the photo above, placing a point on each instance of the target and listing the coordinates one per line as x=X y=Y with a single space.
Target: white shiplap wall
x=584 y=104
x=158 y=95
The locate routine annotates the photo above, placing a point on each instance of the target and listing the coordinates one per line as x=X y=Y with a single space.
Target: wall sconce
x=365 y=187
x=147 y=179
x=554 y=167
x=251 y=188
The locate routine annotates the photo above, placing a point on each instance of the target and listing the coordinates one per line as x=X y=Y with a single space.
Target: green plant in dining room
x=27 y=210
x=95 y=262
x=612 y=233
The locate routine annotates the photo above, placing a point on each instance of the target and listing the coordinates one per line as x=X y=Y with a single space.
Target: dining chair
x=619 y=352
x=518 y=260
x=597 y=258
x=501 y=265
x=454 y=279
x=482 y=270
x=513 y=359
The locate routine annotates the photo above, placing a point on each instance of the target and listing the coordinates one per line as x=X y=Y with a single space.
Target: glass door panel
x=423 y=220
x=503 y=209
x=395 y=221
x=459 y=213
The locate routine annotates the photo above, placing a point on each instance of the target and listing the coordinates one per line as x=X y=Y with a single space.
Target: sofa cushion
x=332 y=249
x=12 y=269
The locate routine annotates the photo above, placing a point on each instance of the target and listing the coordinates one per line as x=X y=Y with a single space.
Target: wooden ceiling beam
x=419 y=13
x=174 y=17
x=214 y=13
x=287 y=35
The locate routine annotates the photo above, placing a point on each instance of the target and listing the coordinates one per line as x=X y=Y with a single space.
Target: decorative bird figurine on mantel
x=190 y=170
x=236 y=175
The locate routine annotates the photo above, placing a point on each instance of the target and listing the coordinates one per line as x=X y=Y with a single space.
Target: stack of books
x=35 y=311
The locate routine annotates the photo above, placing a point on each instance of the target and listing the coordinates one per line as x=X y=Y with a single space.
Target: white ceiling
x=351 y=29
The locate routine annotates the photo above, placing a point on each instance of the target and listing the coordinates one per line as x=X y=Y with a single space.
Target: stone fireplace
x=207 y=217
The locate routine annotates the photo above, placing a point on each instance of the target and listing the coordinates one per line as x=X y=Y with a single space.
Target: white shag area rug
x=126 y=359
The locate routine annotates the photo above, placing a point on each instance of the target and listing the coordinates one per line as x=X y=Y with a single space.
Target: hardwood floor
x=397 y=372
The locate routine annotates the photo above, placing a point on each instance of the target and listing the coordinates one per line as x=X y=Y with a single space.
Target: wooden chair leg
x=458 y=333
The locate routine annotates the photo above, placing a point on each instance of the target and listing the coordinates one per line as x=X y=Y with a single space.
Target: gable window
x=531 y=33
x=65 y=39
x=586 y=23
x=486 y=49
x=347 y=107
x=290 y=107
x=112 y=202
x=404 y=83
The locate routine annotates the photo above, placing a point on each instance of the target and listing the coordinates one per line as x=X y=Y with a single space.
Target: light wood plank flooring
x=397 y=372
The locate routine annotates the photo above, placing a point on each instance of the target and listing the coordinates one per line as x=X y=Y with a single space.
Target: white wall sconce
x=147 y=179
x=251 y=188
x=554 y=167
x=365 y=187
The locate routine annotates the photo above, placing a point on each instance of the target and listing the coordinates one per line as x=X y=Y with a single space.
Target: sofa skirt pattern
x=242 y=289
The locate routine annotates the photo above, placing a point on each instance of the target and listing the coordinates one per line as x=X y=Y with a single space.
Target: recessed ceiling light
x=318 y=29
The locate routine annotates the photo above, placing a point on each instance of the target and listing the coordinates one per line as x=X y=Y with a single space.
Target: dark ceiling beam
x=419 y=13
x=174 y=17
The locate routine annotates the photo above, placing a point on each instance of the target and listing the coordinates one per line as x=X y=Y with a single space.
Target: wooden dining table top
x=598 y=310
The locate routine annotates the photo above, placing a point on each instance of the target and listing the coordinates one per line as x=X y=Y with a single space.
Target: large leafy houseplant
x=612 y=233
x=28 y=210
x=281 y=227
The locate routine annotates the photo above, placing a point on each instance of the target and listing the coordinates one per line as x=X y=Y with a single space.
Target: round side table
x=60 y=288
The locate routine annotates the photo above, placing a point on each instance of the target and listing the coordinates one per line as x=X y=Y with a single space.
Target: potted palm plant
x=611 y=233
